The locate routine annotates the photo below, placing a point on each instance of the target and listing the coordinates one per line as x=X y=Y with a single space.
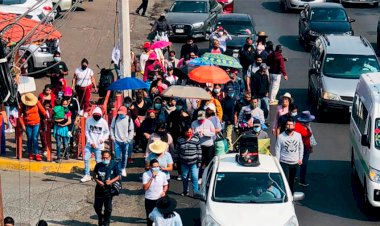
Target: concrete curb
x=74 y=166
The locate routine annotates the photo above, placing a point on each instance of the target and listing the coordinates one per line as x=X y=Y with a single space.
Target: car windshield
x=249 y=188
x=237 y=27
x=349 y=66
x=12 y=2
x=189 y=7
x=327 y=15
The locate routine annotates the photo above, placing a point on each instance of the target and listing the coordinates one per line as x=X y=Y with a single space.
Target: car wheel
x=286 y=8
x=320 y=111
x=375 y=5
x=310 y=92
x=58 y=12
x=30 y=63
x=366 y=204
x=281 y=5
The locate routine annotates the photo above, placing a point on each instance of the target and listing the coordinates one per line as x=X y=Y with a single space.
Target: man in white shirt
x=256 y=112
x=155 y=185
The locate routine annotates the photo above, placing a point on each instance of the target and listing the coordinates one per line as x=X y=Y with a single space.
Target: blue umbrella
x=200 y=62
x=128 y=84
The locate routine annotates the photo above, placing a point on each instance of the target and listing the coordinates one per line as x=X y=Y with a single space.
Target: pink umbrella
x=160 y=45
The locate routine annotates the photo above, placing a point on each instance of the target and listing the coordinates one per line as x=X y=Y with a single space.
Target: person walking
x=164 y=214
x=31 y=109
x=143 y=6
x=247 y=55
x=161 y=28
x=159 y=151
x=260 y=88
x=283 y=109
x=62 y=119
x=281 y=122
x=155 y=186
x=303 y=127
x=254 y=109
x=105 y=174
x=57 y=69
x=82 y=82
x=187 y=48
x=9 y=221
x=289 y=152
x=96 y=133
x=122 y=131
x=229 y=115
x=190 y=155
x=276 y=63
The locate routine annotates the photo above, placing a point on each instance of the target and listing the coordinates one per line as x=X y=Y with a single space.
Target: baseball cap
x=256 y=122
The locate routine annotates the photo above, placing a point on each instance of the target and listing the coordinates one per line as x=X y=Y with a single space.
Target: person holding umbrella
x=164 y=214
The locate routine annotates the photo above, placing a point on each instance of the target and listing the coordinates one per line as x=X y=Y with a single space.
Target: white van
x=365 y=136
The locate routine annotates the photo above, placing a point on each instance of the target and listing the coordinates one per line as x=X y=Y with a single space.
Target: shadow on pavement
x=71 y=222
x=189 y=215
x=291 y=42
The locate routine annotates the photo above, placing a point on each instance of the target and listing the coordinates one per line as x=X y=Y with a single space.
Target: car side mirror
x=313 y=71
x=200 y=195
x=351 y=20
x=364 y=140
x=298 y=196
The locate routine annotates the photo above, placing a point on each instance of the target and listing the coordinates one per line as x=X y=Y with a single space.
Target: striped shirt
x=190 y=151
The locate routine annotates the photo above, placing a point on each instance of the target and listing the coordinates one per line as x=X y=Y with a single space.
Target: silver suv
x=336 y=63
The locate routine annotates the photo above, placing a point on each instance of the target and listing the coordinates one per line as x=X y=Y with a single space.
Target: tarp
x=15 y=32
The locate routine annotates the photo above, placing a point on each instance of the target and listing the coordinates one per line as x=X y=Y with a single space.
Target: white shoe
x=199 y=181
x=86 y=178
x=124 y=172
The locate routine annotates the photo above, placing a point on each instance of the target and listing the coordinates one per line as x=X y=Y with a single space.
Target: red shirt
x=305 y=133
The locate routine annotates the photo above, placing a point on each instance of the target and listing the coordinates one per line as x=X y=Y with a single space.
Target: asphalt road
x=333 y=198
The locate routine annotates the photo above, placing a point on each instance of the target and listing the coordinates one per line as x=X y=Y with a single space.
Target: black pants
x=106 y=201
x=207 y=154
x=143 y=6
x=149 y=206
x=303 y=170
x=290 y=171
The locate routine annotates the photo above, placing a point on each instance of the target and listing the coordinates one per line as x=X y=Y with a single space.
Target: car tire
x=375 y=5
x=30 y=63
x=366 y=205
x=320 y=111
x=58 y=12
x=282 y=5
x=285 y=8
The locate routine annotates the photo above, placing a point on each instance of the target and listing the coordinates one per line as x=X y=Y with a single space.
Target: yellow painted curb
x=72 y=166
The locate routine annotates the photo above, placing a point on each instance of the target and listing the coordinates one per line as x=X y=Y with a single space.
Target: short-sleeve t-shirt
x=100 y=172
x=56 y=69
x=83 y=77
x=163 y=160
x=157 y=185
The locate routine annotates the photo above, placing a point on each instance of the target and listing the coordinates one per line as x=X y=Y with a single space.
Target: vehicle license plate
x=179 y=31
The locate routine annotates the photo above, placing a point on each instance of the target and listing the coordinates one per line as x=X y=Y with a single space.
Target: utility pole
x=1 y=205
x=126 y=42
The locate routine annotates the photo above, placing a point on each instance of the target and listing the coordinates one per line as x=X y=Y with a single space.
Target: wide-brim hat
x=158 y=147
x=306 y=116
x=166 y=205
x=262 y=33
x=29 y=99
x=287 y=95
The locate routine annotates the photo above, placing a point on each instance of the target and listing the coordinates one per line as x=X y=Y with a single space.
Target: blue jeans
x=32 y=137
x=87 y=156
x=194 y=170
x=264 y=105
x=121 y=149
x=64 y=141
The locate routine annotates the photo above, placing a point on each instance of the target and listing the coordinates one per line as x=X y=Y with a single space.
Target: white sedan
x=45 y=5
x=287 y=5
x=232 y=194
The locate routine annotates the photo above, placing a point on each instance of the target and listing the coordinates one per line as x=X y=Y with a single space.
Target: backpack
x=106 y=79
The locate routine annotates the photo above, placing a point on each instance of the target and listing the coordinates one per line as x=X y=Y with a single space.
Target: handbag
x=221 y=145
x=115 y=186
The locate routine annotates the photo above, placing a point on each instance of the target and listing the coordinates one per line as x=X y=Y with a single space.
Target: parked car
x=335 y=65
x=228 y=5
x=323 y=18
x=287 y=5
x=239 y=26
x=374 y=3
x=45 y=5
x=233 y=194
x=36 y=14
x=194 y=18
x=64 y=5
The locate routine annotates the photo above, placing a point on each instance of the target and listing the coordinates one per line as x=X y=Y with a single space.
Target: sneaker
x=184 y=194
x=179 y=178
x=31 y=157
x=124 y=172
x=67 y=157
x=57 y=160
x=303 y=184
x=38 y=157
x=86 y=178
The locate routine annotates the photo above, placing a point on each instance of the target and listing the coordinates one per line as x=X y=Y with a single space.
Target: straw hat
x=158 y=147
x=29 y=99
x=287 y=95
x=262 y=33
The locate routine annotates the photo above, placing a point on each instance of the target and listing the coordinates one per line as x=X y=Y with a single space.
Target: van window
x=349 y=66
x=12 y=2
x=359 y=114
x=376 y=134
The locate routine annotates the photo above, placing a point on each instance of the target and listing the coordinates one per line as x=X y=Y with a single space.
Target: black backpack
x=106 y=79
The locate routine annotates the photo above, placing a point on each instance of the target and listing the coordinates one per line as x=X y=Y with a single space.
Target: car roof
x=345 y=44
x=227 y=163
x=328 y=5
x=234 y=16
x=18 y=10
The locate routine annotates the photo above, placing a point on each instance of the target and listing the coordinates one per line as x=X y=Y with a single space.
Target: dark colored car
x=194 y=18
x=239 y=26
x=322 y=18
x=378 y=36
x=228 y=5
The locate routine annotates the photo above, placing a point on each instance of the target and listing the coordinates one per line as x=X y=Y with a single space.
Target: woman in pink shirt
x=283 y=109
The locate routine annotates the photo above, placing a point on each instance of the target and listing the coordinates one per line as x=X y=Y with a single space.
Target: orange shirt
x=31 y=114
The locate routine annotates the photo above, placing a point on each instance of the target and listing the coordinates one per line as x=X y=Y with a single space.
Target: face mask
x=127 y=105
x=178 y=107
x=253 y=106
x=293 y=114
x=157 y=106
x=106 y=161
x=171 y=58
x=57 y=59
x=97 y=117
x=188 y=135
x=217 y=91
x=231 y=95
x=289 y=131
x=84 y=67
x=220 y=33
x=258 y=64
x=121 y=116
x=257 y=129
x=201 y=121
x=155 y=169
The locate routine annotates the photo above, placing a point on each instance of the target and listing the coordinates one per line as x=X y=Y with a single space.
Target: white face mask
x=220 y=33
x=57 y=59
